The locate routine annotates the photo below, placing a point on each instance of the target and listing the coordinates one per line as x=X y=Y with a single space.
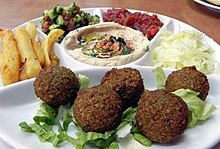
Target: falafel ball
x=56 y=86
x=127 y=82
x=188 y=78
x=97 y=109
x=161 y=116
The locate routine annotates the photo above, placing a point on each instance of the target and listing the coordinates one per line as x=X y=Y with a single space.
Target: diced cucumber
x=59 y=9
x=49 y=13
x=71 y=8
x=60 y=20
x=77 y=18
x=54 y=26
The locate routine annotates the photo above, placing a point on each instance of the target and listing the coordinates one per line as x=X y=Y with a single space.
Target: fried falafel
x=161 y=116
x=56 y=86
x=97 y=109
x=188 y=78
x=127 y=82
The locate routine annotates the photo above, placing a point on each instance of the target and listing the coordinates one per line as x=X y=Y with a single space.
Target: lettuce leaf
x=43 y=123
x=104 y=140
x=114 y=145
x=160 y=77
x=199 y=110
x=83 y=81
x=127 y=117
x=139 y=137
x=62 y=118
x=46 y=114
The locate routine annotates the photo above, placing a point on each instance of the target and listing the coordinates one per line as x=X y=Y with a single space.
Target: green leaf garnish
x=199 y=110
x=83 y=81
x=160 y=77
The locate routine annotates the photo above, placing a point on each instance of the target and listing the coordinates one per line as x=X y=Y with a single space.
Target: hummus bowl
x=106 y=44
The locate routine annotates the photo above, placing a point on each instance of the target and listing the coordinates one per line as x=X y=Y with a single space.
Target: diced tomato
x=148 y=25
x=153 y=31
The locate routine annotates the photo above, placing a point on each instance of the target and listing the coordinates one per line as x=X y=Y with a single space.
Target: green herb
x=121 y=40
x=126 y=50
x=82 y=41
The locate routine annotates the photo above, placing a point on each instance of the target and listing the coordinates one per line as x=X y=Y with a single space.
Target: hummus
x=106 y=44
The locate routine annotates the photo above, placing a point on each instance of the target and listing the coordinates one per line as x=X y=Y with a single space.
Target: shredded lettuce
x=199 y=110
x=25 y=127
x=42 y=126
x=139 y=137
x=127 y=117
x=160 y=77
x=105 y=140
x=83 y=81
x=46 y=114
x=183 y=49
x=49 y=117
x=114 y=145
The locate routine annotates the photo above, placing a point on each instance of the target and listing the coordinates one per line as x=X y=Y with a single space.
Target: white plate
x=18 y=103
x=209 y=5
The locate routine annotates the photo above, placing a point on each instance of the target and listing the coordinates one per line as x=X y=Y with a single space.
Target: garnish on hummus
x=106 y=44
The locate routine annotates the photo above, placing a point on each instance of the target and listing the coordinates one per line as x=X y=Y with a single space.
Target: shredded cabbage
x=183 y=49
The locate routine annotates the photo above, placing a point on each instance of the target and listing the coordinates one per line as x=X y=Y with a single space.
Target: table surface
x=15 y=12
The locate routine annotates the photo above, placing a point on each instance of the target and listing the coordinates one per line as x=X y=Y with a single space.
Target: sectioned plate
x=18 y=102
x=170 y=24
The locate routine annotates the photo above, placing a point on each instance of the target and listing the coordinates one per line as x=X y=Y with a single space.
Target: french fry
x=28 y=58
x=10 y=61
x=32 y=30
x=1 y=59
x=48 y=43
x=23 y=75
x=45 y=51
x=38 y=51
x=1 y=32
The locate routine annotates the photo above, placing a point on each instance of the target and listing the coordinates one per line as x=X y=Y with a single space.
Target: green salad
x=66 y=18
